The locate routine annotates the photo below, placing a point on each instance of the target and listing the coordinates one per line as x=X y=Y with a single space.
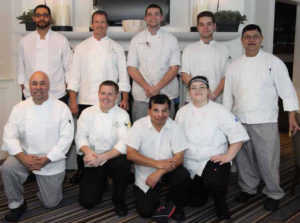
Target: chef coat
x=207 y=130
x=94 y=62
x=253 y=85
x=56 y=65
x=162 y=145
x=153 y=55
x=209 y=60
x=102 y=131
x=42 y=130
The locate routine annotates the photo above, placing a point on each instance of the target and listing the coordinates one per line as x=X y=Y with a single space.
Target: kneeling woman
x=207 y=126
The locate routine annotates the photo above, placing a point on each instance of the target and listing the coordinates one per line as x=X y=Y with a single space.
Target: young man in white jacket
x=37 y=136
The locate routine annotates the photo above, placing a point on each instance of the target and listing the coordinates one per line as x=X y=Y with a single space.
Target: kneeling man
x=37 y=136
x=156 y=145
x=100 y=133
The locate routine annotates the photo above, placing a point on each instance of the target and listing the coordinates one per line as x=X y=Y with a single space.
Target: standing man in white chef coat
x=37 y=136
x=206 y=57
x=252 y=87
x=47 y=51
x=95 y=60
x=153 y=63
x=100 y=134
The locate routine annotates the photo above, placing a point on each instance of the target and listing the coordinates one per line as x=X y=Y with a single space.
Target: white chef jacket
x=43 y=130
x=59 y=60
x=102 y=131
x=153 y=144
x=94 y=62
x=209 y=60
x=253 y=85
x=152 y=55
x=207 y=130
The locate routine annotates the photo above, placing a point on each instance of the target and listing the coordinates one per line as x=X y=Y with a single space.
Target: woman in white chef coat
x=208 y=128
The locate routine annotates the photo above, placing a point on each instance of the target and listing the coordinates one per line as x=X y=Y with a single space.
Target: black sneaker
x=179 y=214
x=16 y=213
x=164 y=212
x=121 y=210
x=244 y=197
x=271 y=204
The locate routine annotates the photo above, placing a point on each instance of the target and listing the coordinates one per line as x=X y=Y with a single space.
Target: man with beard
x=47 y=51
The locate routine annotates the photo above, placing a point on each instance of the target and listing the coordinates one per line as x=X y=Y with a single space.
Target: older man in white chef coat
x=100 y=134
x=95 y=60
x=206 y=57
x=252 y=87
x=47 y=51
x=37 y=136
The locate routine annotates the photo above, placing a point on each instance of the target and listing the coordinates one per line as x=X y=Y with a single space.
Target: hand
x=90 y=159
x=151 y=90
x=73 y=107
x=101 y=158
x=44 y=160
x=293 y=124
x=124 y=104
x=153 y=178
x=169 y=165
x=221 y=159
x=31 y=162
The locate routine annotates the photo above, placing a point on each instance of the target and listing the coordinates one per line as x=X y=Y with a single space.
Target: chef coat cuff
x=121 y=147
x=290 y=105
x=12 y=150
x=124 y=87
x=56 y=154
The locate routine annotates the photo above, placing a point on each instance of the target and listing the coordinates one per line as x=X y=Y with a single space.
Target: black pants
x=178 y=180
x=80 y=162
x=213 y=182
x=94 y=182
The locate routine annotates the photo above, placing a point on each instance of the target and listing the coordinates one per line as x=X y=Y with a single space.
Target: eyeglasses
x=45 y=15
x=255 y=37
x=198 y=88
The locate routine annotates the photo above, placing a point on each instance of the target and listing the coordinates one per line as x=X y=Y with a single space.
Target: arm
x=186 y=78
x=137 y=77
x=125 y=101
x=134 y=156
x=213 y=95
x=169 y=76
x=293 y=124
x=153 y=178
x=66 y=135
x=229 y=155
x=73 y=102
x=67 y=59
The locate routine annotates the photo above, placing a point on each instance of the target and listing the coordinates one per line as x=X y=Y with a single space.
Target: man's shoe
x=244 y=197
x=164 y=212
x=16 y=213
x=271 y=204
x=179 y=215
x=121 y=209
x=75 y=179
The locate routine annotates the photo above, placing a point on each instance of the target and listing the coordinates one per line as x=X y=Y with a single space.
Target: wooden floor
x=251 y=212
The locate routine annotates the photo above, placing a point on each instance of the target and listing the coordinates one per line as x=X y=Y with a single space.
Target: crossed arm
x=162 y=166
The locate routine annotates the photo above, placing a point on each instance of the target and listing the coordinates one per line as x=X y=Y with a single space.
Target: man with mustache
x=47 y=51
x=252 y=87
x=37 y=136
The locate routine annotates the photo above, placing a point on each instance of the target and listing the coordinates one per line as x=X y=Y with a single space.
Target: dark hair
x=159 y=99
x=100 y=12
x=154 y=6
x=202 y=79
x=110 y=83
x=42 y=6
x=251 y=27
x=206 y=14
